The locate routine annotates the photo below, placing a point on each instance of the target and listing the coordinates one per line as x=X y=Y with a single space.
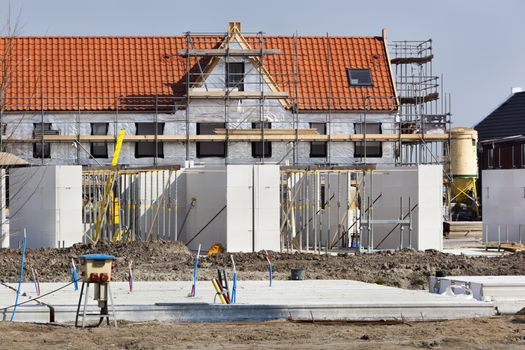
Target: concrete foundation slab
x=341 y=300
x=474 y=252
x=506 y=292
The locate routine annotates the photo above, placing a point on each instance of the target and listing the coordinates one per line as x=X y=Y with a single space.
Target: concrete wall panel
x=239 y=194
x=503 y=204
x=423 y=186
x=267 y=207
x=47 y=202
x=430 y=207
x=208 y=186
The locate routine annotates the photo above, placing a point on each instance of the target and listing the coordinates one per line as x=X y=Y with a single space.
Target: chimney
x=515 y=90
x=234 y=26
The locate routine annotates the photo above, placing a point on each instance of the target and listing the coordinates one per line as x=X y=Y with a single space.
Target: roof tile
x=67 y=69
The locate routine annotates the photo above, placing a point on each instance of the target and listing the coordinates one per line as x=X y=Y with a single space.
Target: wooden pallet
x=505 y=246
x=462 y=229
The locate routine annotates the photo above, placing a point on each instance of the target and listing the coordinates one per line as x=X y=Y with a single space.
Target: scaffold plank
x=221 y=94
x=228 y=52
x=258 y=136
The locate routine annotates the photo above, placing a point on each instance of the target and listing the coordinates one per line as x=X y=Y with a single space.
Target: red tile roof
x=93 y=73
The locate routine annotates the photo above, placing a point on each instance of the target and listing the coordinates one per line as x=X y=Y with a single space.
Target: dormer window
x=235 y=75
x=359 y=77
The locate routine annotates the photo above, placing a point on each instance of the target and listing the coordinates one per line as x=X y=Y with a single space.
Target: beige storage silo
x=464 y=166
x=463 y=152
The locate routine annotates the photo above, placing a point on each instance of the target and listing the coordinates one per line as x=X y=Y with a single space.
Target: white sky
x=479 y=45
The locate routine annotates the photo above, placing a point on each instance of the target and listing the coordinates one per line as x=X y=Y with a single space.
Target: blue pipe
x=270 y=270
x=195 y=272
x=21 y=275
x=74 y=276
x=234 y=288
x=195 y=276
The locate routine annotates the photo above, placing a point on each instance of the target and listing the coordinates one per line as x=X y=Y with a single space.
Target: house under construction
x=221 y=99
x=323 y=111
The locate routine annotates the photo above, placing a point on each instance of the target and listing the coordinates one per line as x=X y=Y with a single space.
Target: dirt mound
x=53 y=265
x=406 y=268
x=168 y=260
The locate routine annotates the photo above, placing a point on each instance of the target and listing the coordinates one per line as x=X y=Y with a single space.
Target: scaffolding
x=424 y=107
x=141 y=204
x=317 y=207
x=418 y=130
x=420 y=133
x=332 y=209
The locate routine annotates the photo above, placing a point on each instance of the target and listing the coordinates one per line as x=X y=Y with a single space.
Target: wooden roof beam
x=307 y=137
x=227 y=52
x=221 y=94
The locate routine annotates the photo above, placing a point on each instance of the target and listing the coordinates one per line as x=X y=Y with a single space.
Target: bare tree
x=10 y=30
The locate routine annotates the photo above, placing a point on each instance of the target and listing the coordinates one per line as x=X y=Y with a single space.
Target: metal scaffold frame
x=141 y=204
x=420 y=132
x=424 y=107
x=327 y=209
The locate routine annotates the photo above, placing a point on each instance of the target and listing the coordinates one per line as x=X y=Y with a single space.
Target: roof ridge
x=182 y=36
x=90 y=36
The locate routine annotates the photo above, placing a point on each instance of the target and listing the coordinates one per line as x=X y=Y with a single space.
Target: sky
x=479 y=45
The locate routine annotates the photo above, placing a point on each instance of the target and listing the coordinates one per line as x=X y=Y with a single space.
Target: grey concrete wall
x=251 y=217
x=208 y=187
x=422 y=185
x=47 y=202
x=503 y=204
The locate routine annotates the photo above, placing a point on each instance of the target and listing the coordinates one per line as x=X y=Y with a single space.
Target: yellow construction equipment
x=110 y=198
x=215 y=249
x=118 y=146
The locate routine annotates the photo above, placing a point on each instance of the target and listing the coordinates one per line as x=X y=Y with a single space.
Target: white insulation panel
x=503 y=198
x=253 y=208
x=46 y=201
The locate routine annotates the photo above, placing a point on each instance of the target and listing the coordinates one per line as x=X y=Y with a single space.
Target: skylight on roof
x=359 y=76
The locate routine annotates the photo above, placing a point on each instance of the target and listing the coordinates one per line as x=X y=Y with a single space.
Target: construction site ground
x=158 y=261
x=480 y=333
x=172 y=261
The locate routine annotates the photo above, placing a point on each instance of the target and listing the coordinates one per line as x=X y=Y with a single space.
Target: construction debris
x=505 y=246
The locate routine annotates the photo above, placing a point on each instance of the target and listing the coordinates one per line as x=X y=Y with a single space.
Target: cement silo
x=464 y=171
